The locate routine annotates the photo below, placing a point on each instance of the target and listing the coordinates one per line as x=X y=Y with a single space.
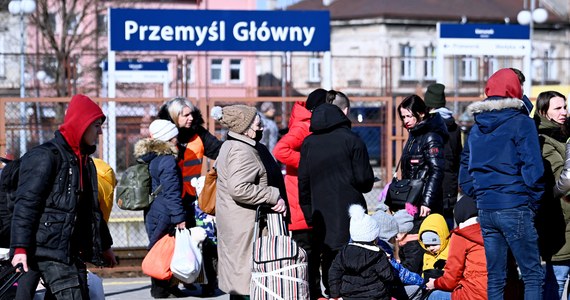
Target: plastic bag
x=156 y=263
x=186 y=262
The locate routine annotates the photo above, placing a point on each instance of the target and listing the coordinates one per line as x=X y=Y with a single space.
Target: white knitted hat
x=163 y=130
x=362 y=227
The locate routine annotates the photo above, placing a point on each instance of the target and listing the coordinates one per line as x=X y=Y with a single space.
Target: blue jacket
x=166 y=210
x=406 y=276
x=501 y=164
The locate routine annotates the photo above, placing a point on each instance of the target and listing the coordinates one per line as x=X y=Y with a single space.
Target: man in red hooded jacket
x=57 y=224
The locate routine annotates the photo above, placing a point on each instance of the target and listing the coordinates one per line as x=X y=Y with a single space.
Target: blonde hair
x=175 y=107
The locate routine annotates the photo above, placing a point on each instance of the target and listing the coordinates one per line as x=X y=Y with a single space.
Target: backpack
x=8 y=186
x=134 y=189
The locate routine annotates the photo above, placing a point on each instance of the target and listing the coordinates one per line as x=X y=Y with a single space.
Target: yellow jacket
x=435 y=223
x=106 y=182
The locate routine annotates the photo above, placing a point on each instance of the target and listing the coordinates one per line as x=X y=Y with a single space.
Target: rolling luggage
x=279 y=268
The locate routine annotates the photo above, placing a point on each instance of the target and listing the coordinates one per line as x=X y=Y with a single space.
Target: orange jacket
x=191 y=164
x=465 y=273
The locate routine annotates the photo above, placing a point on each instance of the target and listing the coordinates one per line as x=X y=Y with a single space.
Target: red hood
x=81 y=112
x=505 y=84
x=471 y=232
x=299 y=113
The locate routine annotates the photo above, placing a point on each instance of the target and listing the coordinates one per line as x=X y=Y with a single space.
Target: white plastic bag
x=187 y=259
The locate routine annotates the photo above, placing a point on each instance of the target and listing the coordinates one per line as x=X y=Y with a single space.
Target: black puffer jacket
x=423 y=157
x=334 y=172
x=50 y=204
x=452 y=154
x=361 y=272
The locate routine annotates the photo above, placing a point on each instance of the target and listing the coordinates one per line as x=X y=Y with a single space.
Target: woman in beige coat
x=242 y=185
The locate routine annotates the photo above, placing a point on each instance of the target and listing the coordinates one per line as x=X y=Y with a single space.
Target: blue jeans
x=439 y=295
x=511 y=228
x=556 y=276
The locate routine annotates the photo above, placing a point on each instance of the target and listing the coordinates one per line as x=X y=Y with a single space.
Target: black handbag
x=402 y=191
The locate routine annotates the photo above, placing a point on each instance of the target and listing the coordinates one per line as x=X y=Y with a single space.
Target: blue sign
x=220 y=30
x=137 y=66
x=484 y=31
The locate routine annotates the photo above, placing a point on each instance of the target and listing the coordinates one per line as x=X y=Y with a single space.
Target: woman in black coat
x=422 y=158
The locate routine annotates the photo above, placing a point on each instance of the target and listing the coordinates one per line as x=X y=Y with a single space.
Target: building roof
x=426 y=10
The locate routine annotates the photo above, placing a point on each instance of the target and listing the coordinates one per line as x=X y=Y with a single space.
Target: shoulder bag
x=402 y=191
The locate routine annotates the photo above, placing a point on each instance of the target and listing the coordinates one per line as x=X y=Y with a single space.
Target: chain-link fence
x=24 y=124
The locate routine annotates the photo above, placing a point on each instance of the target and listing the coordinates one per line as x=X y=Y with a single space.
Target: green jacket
x=553 y=210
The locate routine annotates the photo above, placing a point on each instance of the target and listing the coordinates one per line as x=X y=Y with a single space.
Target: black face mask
x=258 y=135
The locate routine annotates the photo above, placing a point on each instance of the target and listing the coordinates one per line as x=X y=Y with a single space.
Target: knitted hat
x=163 y=130
x=266 y=106
x=405 y=221
x=237 y=118
x=435 y=95
x=316 y=98
x=388 y=225
x=430 y=238
x=464 y=209
x=362 y=227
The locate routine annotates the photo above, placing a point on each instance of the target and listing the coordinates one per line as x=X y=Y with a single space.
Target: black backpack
x=8 y=185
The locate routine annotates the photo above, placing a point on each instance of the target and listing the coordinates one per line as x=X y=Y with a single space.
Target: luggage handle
x=275 y=222
x=14 y=276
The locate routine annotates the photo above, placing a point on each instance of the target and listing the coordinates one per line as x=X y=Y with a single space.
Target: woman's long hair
x=543 y=101
x=542 y=107
x=416 y=105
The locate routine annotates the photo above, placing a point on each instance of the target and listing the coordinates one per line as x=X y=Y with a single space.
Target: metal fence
x=25 y=123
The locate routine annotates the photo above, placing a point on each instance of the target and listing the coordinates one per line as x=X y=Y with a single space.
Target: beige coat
x=241 y=186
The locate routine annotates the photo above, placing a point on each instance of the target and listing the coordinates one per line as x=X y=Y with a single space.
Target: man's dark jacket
x=56 y=213
x=334 y=172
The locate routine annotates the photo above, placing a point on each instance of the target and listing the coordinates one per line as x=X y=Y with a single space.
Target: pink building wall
x=199 y=85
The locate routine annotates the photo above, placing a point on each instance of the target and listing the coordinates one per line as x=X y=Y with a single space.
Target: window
x=235 y=70
x=52 y=22
x=101 y=24
x=189 y=70
x=550 y=69
x=72 y=23
x=216 y=75
x=492 y=66
x=314 y=69
x=429 y=63
x=469 y=69
x=408 y=65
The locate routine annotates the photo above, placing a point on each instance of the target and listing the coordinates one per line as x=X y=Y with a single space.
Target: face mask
x=258 y=135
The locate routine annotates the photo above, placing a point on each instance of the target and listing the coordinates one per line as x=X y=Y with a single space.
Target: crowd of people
x=505 y=238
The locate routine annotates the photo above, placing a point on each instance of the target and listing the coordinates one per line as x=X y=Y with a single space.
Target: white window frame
x=469 y=69
x=314 y=69
x=407 y=63
x=238 y=67
x=217 y=67
x=190 y=76
x=429 y=63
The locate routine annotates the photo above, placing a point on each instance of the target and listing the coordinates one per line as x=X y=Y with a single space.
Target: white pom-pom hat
x=363 y=228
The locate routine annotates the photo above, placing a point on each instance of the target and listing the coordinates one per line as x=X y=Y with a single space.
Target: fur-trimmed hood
x=492 y=112
x=158 y=147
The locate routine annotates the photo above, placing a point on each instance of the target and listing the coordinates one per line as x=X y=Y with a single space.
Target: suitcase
x=279 y=268
x=9 y=276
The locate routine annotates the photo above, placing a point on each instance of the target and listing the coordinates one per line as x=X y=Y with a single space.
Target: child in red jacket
x=465 y=273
